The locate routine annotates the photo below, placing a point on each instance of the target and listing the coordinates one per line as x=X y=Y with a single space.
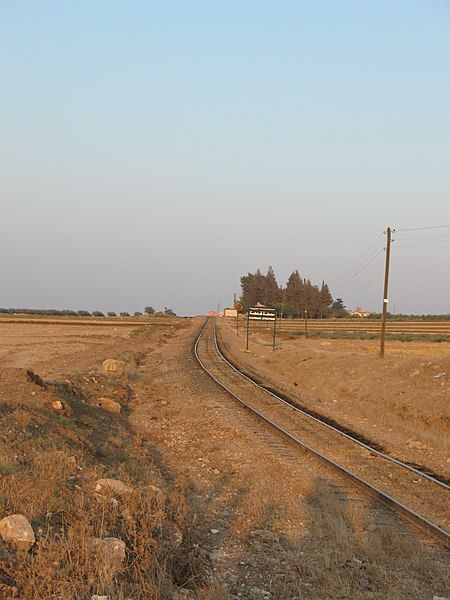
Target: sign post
x=261 y=313
x=238 y=308
x=248 y=322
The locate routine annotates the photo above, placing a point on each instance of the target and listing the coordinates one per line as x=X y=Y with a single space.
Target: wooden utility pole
x=306 y=309
x=385 y=292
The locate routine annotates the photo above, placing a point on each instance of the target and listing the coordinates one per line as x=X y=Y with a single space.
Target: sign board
x=262 y=313
x=257 y=313
x=238 y=306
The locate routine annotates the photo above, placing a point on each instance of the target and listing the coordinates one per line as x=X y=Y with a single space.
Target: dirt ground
x=401 y=402
x=239 y=514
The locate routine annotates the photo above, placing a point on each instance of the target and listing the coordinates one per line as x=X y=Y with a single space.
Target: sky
x=154 y=152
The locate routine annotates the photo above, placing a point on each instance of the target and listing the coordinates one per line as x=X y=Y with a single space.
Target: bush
x=149 y=310
x=137 y=313
x=97 y=313
x=111 y=313
x=124 y=314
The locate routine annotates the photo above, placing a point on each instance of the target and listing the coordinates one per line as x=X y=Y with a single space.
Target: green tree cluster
x=289 y=300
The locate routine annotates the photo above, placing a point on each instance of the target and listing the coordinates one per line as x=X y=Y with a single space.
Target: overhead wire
x=443 y=241
x=361 y=269
x=344 y=273
x=366 y=289
x=430 y=237
x=423 y=228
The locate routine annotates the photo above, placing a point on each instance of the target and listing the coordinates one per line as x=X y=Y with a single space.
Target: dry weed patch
x=50 y=462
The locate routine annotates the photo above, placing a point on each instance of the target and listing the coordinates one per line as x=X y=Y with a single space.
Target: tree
x=137 y=313
x=271 y=289
x=339 y=309
x=149 y=310
x=97 y=313
x=325 y=301
x=124 y=314
x=294 y=297
x=111 y=313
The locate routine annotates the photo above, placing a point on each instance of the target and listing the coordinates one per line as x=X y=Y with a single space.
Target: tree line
x=292 y=299
x=54 y=312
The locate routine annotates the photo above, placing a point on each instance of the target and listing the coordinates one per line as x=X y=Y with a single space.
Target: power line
x=423 y=228
x=343 y=274
x=357 y=273
x=377 y=268
x=443 y=241
x=356 y=267
x=430 y=237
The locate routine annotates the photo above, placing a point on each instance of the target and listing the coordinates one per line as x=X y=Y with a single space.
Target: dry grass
x=48 y=468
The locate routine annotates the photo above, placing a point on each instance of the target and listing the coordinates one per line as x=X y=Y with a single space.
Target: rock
x=439 y=598
x=114 y=486
x=439 y=375
x=113 y=367
x=97 y=597
x=110 y=405
x=17 y=531
x=214 y=531
x=110 y=549
x=57 y=405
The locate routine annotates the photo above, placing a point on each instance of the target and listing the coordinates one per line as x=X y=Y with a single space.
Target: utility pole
x=385 y=292
x=306 y=309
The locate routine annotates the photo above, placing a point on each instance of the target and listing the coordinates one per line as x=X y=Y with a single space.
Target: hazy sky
x=152 y=152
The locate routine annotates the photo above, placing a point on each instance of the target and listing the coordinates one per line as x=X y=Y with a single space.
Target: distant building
x=229 y=312
x=360 y=312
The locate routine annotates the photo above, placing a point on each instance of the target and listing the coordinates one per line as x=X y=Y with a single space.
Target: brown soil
x=400 y=403
x=240 y=515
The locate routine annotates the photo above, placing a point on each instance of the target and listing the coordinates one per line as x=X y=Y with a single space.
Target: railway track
x=403 y=489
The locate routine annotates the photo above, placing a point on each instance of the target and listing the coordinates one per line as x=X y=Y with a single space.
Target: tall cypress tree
x=294 y=293
x=271 y=290
x=326 y=300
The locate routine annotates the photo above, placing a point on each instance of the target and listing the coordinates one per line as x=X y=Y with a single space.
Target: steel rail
x=325 y=424
x=386 y=498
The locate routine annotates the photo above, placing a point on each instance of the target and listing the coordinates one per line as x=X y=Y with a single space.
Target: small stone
x=97 y=597
x=17 y=531
x=111 y=549
x=110 y=405
x=57 y=405
x=214 y=531
x=113 y=367
x=363 y=582
x=114 y=486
